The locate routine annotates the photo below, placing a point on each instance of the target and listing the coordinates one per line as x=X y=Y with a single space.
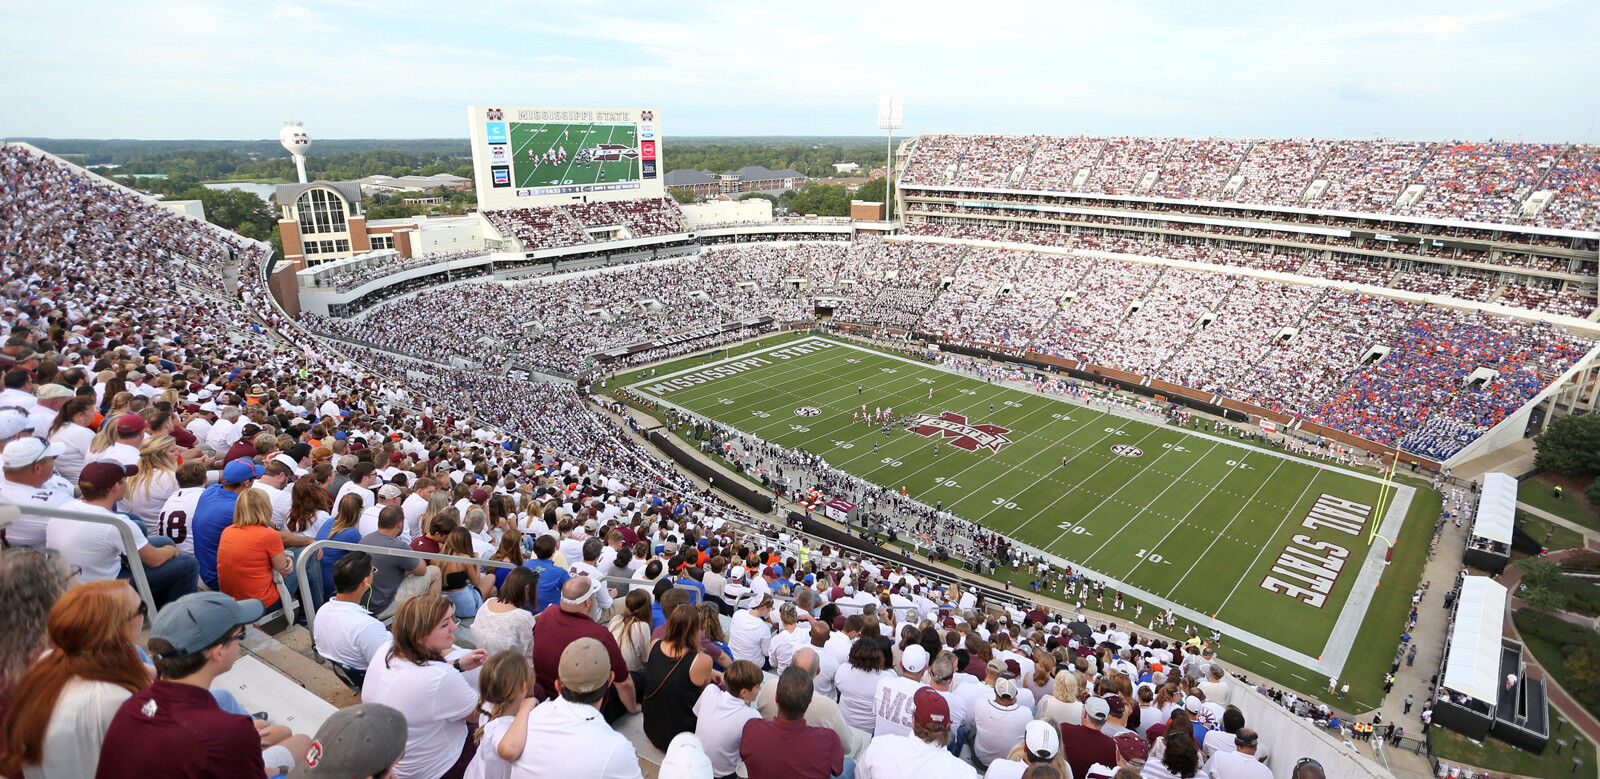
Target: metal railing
x=10 y=513
x=303 y=560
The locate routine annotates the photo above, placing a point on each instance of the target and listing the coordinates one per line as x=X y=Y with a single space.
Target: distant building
x=321 y=221
x=751 y=178
x=846 y=167
x=387 y=184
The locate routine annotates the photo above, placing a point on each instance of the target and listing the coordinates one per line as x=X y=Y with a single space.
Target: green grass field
x=572 y=138
x=1192 y=519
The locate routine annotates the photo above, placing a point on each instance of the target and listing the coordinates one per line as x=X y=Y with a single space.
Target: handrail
x=305 y=555
x=141 y=583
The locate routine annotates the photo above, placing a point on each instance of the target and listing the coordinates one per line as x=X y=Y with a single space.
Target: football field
x=612 y=164
x=1264 y=547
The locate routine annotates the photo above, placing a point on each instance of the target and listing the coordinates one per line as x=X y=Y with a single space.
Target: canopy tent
x=1497 y=508
x=1473 y=665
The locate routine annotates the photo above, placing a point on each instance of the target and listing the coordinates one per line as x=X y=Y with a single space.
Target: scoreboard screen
x=521 y=156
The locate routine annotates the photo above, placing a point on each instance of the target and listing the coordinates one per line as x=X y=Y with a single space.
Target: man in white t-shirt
x=590 y=747
x=345 y=632
x=130 y=434
x=274 y=483
x=416 y=504
x=792 y=634
x=388 y=495
x=998 y=724
x=97 y=548
x=1240 y=763
x=29 y=480
x=892 y=703
x=922 y=754
x=721 y=715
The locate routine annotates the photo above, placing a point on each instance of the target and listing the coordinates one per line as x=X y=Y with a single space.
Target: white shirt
x=368 y=521
x=30 y=530
x=76 y=439
x=414 y=507
x=176 y=518
x=127 y=454
x=222 y=435
x=838 y=647
x=720 y=727
x=201 y=428
x=748 y=636
x=487 y=763
x=960 y=710
x=77 y=729
x=367 y=497
x=281 y=501
x=93 y=547
x=893 y=706
x=998 y=729
x=145 y=501
x=858 y=691
x=348 y=634
x=1236 y=765
x=1007 y=769
x=826 y=668
x=436 y=702
x=589 y=747
x=602 y=598
x=784 y=642
x=895 y=757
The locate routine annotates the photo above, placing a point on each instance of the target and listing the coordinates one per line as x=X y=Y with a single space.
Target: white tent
x=1497 y=508
x=1473 y=666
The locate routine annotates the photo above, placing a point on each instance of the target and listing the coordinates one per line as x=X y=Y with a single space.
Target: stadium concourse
x=151 y=409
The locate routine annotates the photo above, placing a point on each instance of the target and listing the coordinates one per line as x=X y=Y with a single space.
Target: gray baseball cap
x=194 y=622
x=361 y=740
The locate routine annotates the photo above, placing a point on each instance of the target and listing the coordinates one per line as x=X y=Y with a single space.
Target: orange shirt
x=244 y=562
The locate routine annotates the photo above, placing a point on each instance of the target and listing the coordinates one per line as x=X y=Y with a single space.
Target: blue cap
x=240 y=471
x=340 y=435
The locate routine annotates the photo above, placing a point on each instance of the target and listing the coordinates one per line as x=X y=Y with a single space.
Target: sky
x=179 y=69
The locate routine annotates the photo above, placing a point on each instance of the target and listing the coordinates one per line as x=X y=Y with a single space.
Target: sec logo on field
x=1124 y=450
x=807 y=411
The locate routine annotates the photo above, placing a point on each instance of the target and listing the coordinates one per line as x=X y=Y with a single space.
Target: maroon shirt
x=781 y=749
x=177 y=730
x=553 y=630
x=241 y=448
x=425 y=544
x=1086 y=746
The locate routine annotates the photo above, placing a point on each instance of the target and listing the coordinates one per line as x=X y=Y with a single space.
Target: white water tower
x=293 y=137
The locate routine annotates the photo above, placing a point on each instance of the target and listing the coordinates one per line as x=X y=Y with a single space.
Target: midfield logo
x=968 y=437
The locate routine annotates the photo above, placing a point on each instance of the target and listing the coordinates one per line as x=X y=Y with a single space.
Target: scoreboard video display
x=533 y=156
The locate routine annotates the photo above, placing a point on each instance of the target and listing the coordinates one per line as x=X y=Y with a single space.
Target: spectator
x=464 y=584
x=308 y=513
x=1041 y=745
x=361 y=741
x=175 y=727
x=155 y=481
x=998 y=724
x=345 y=633
x=785 y=746
x=823 y=711
x=1307 y=768
x=129 y=432
x=1132 y=753
x=750 y=631
x=857 y=682
x=342 y=528
x=551 y=576
x=923 y=754
x=1062 y=704
x=71 y=430
x=586 y=670
x=509 y=551
x=30 y=480
x=213 y=513
x=721 y=714
x=97 y=548
x=1180 y=757
x=674 y=674
x=412 y=676
x=397 y=577
x=30 y=582
x=176 y=520
x=63 y=705
x=504 y=701
x=1240 y=762
x=566 y=621
x=1084 y=744
x=631 y=628
x=506 y=621
x=892 y=702
x=250 y=552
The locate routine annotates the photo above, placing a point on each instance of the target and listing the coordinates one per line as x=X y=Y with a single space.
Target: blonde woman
x=156 y=480
x=105 y=436
x=1062 y=704
x=251 y=550
x=437 y=503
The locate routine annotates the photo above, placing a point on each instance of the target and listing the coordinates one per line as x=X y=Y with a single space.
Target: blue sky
x=395 y=68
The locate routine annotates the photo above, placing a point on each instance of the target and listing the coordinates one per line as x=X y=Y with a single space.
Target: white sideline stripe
x=260 y=688
x=1336 y=650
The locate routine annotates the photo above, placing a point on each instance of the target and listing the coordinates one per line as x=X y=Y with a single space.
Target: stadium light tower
x=294 y=139
x=889 y=118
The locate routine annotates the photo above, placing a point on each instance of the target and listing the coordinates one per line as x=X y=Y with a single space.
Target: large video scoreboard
x=537 y=156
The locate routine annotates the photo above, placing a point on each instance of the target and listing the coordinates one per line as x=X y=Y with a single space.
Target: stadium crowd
x=545 y=227
x=1481 y=182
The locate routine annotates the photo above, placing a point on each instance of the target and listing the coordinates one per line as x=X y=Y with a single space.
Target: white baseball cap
x=13 y=422
x=24 y=452
x=914 y=659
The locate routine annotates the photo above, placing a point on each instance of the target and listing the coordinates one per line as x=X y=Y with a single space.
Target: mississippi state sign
x=964 y=436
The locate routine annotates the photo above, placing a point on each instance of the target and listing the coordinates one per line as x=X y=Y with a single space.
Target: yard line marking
x=1249 y=503
x=1264 y=547
x=1141 y=511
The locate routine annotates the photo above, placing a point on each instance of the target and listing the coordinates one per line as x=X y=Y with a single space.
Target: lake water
x=263 y=191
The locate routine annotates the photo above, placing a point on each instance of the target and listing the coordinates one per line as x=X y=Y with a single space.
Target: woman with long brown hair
x=674 y=674
x=65 y=702
x=438 y=704
x=72 y=429
x=464 y=583
x=631 y=628
x=343 y=527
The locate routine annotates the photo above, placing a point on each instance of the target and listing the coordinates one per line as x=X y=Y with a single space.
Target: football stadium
x=1077 y=455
